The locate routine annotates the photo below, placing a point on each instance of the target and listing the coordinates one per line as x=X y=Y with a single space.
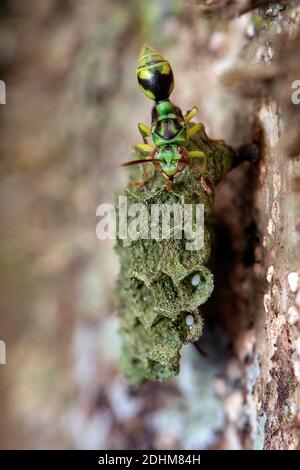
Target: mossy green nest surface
x=157 y=296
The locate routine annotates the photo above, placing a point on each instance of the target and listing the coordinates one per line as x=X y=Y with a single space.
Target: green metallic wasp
x=169 y=128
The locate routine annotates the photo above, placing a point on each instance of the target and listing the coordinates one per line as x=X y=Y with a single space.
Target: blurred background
x=70 y=118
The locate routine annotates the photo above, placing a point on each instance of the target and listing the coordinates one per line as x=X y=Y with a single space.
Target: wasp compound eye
x=154 y=74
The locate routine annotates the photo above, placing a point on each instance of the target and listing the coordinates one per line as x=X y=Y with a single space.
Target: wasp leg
x=200 y=168
x=206 y=185
x=169 y=185
x=196 y=154
x=145 y=131
x=139 y=183
x=216 y=141
x=190 y=114
x=194 y=129
x=144 y=178
x=146 y=159
x=146 y=173
x=145 y=148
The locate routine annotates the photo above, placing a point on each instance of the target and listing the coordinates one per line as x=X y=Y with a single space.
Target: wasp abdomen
x=154 y=74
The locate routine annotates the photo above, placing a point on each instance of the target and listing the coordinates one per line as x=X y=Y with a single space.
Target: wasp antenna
x=135 y=162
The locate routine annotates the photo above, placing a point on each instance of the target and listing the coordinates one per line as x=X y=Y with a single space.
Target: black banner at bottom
x=132 y=459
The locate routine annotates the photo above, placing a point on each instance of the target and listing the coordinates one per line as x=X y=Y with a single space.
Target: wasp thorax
x=154 y=74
